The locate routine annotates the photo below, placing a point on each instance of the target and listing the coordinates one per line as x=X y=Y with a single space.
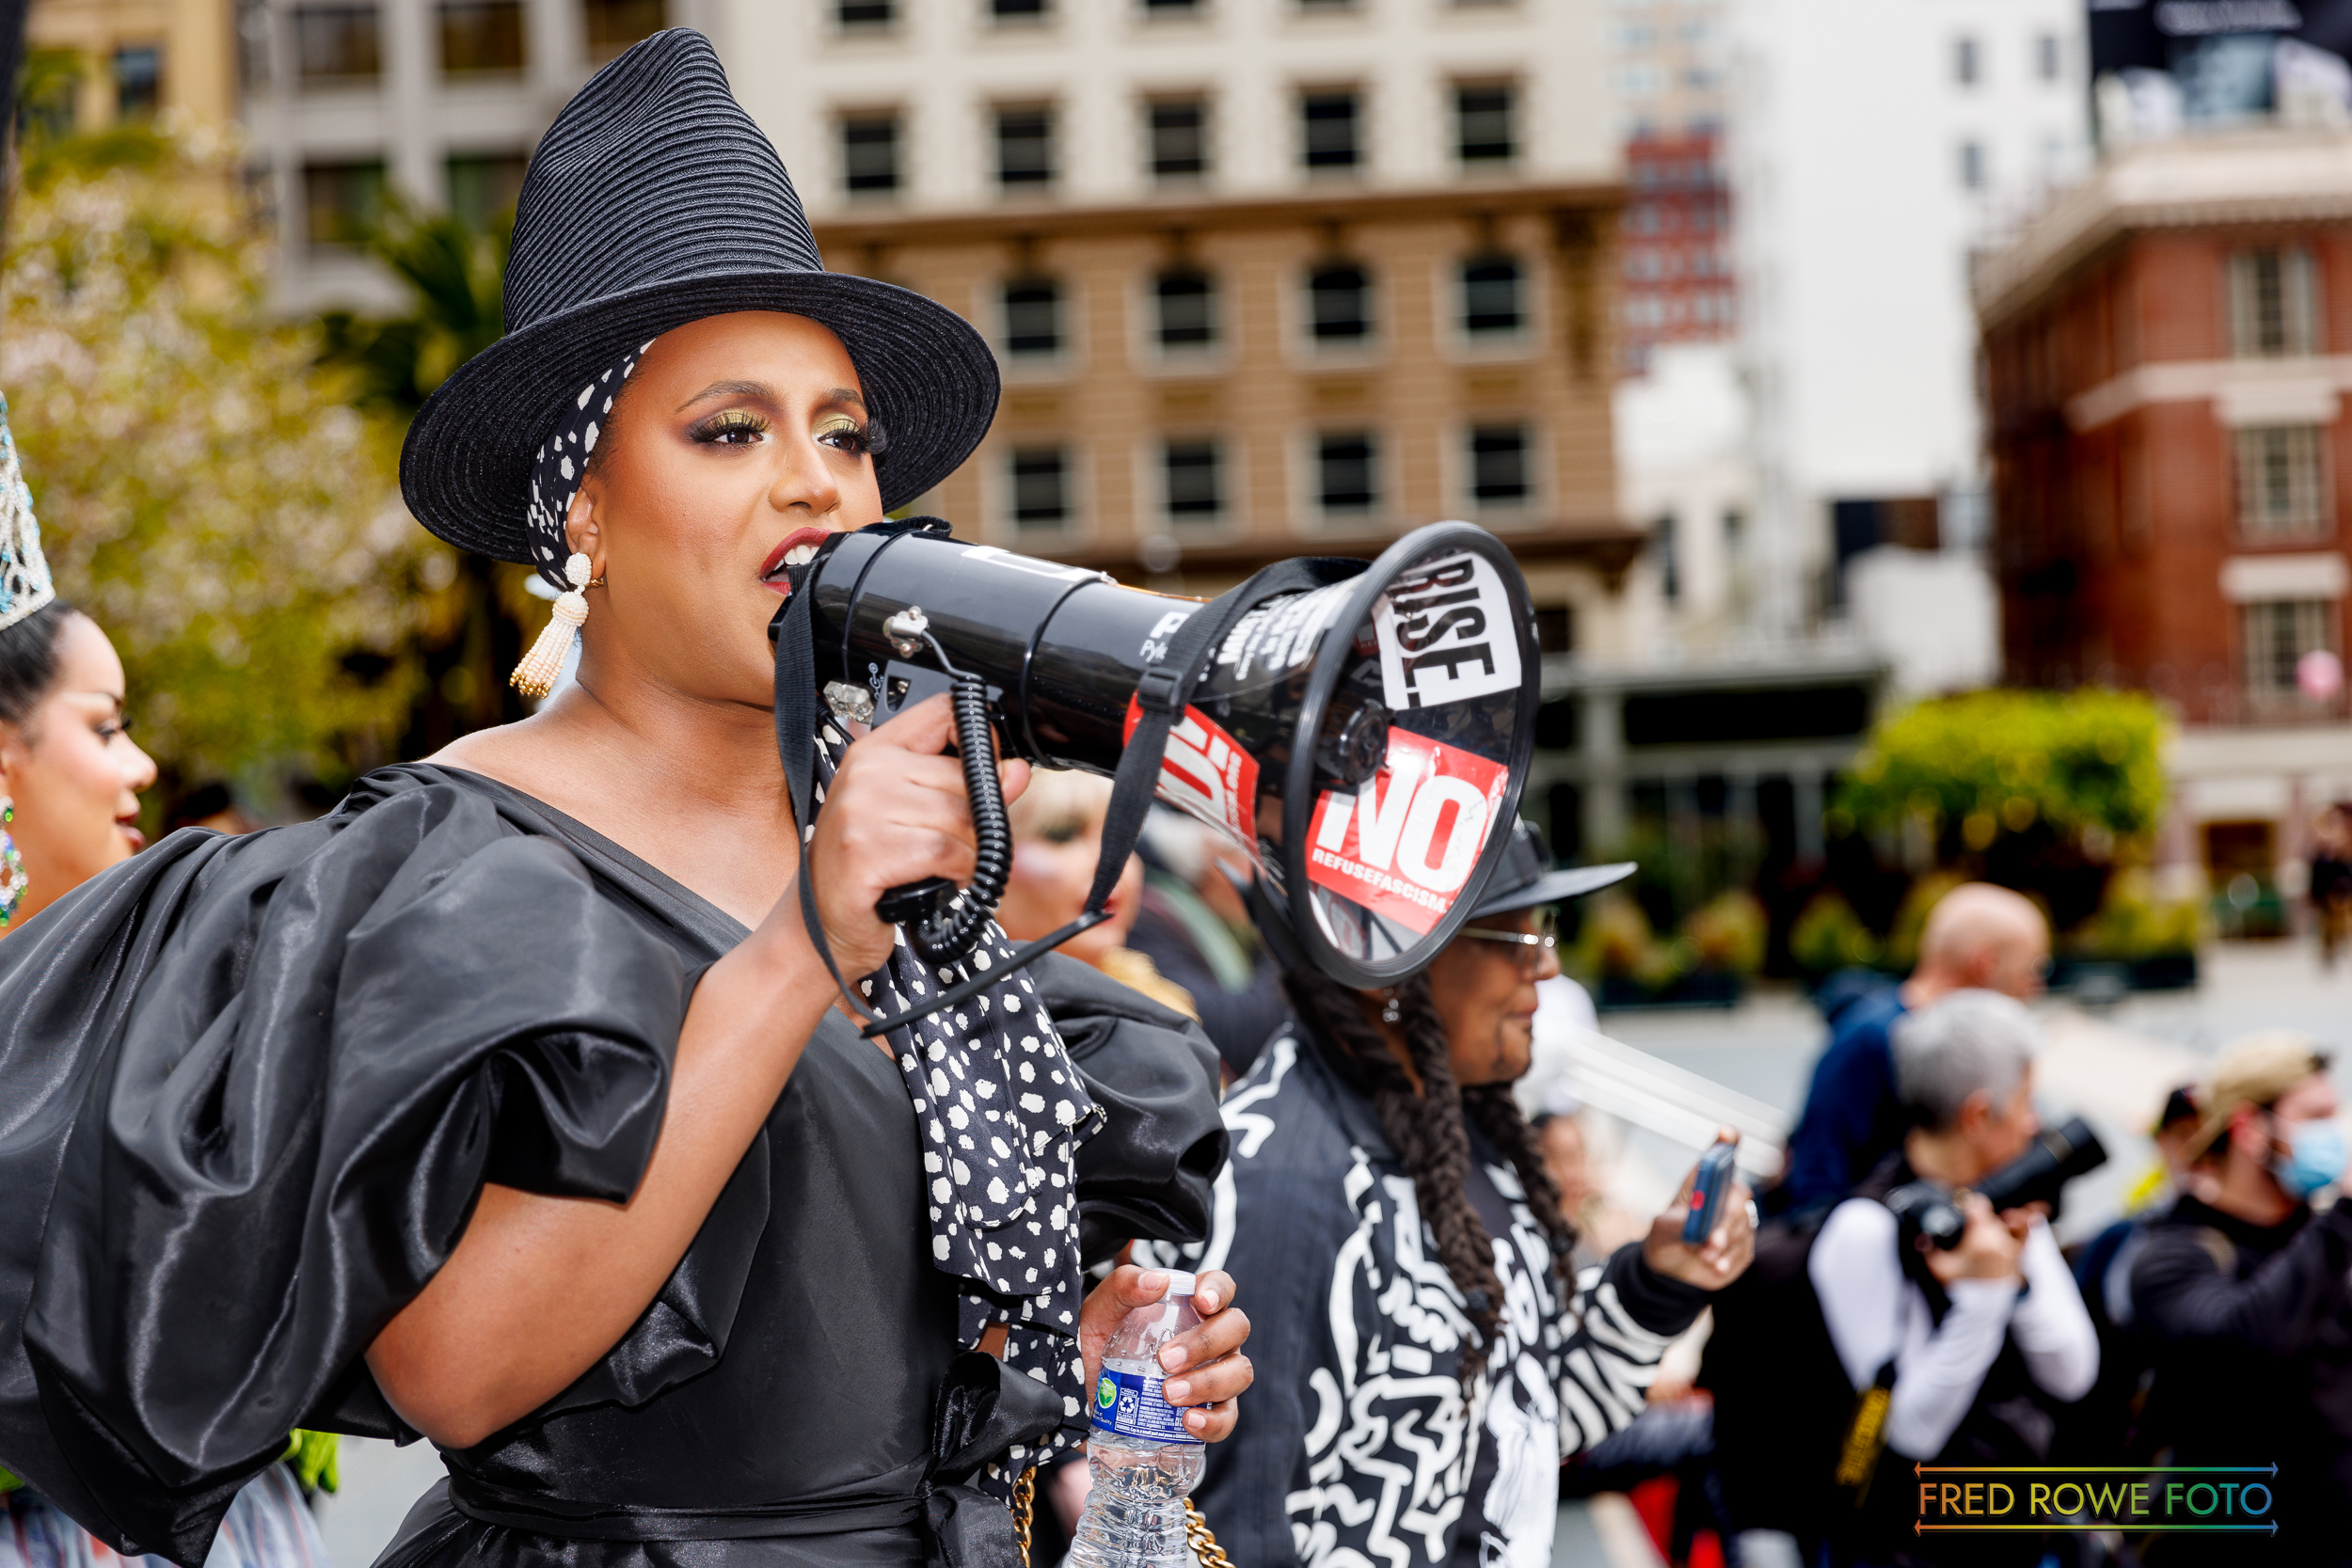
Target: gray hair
x=1971 y=1040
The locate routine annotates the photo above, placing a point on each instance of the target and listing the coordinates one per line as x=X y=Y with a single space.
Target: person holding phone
x=1426 y=1352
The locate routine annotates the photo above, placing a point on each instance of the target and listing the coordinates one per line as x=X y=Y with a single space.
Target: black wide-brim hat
x=652 y=202
x=1523 y=877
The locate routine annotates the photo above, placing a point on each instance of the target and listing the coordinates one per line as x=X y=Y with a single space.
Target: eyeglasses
x=1532 y=945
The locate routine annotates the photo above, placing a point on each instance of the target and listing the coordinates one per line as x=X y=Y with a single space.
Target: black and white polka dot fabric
x=562 y=462
x=1002 y=1112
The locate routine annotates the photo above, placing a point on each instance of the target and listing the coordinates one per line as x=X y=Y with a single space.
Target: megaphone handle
x=938 y=929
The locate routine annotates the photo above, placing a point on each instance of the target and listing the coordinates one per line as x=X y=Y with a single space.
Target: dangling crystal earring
x=534 y=677
x=12 y=879
x=1390 y=1009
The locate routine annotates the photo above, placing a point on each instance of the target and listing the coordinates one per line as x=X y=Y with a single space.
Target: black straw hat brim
x=927 y=376
x=1554 y=886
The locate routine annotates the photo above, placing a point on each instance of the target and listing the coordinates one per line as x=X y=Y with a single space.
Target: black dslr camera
x=2054 y=1159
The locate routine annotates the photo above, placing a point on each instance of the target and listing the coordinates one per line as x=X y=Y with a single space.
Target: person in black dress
x=511 y=1105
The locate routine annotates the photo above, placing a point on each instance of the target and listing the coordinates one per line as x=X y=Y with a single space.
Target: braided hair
x=1428 y=1130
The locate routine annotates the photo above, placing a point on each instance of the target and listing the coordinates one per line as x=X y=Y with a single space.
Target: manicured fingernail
x=1207 y=1300
x=1174 y=1357
x=1197 y=1419
x=1151 y=1279
x=1174 y=1392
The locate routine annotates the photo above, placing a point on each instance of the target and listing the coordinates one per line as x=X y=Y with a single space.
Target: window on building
x=1972 y=166
x=2281 y=488
x=1032 y=317
x=1187 y=302
x=2045 y=56
x=2273 y=303
x=138 y=74
x=1555 y=629
x=1025 y=149
x=1486 y=124
x=342 y=202
x=1492 y=297
x=1172 y=7
x=613 y=26
x=482 y=38
x=869 y=154
x=1017 y=10
x=863 y=15
x=1178 y=131
x=1338 y=301
x=1330 y=129
x=1041 y=489
x=1193 y=480
x=1968 y=65
x=1347 y=472
x=336 y=45
x=1499 y=467
x=483 y=184
x=1312 y=6
x=257 y=74
x=1669 y=558
x=2278 y=634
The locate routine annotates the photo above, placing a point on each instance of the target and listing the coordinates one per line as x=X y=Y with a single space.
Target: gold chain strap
x=1203 y=1540
x=1198 y=1535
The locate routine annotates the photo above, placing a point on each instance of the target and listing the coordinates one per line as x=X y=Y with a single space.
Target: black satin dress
x=249 y=1089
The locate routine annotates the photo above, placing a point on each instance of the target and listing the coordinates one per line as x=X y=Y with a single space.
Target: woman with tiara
x=70 y=777
x=512 y=1104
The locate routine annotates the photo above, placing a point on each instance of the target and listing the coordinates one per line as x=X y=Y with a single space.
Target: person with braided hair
x=1426 y=1353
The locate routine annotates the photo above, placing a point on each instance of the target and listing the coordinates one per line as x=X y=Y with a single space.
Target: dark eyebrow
x=727 y=389
x=845 y=394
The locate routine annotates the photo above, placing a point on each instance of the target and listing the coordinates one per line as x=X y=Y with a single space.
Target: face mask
x=2316 y=1154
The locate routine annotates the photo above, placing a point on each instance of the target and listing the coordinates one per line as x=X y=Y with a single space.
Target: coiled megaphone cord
x=948 y=930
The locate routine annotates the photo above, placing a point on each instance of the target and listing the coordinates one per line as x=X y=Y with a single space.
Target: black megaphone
x=1362 y=733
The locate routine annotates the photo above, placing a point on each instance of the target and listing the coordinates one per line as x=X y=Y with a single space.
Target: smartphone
x=1708 y=1188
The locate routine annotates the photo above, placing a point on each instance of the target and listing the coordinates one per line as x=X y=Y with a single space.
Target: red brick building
x=2166 y=355
x=1674 y=247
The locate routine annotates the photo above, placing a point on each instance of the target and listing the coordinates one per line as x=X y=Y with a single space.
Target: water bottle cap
x=1179 y=1283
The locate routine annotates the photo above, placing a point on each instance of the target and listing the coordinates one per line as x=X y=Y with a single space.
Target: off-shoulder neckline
x=647 y=882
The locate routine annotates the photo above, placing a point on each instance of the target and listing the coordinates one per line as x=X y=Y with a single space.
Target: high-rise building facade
x=2166 y=355
x=1265 y=277
x=438 y=100
x=130 y=60
x=1874 y=148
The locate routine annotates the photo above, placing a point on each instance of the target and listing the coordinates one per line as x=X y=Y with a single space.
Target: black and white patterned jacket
x=1356 y=1444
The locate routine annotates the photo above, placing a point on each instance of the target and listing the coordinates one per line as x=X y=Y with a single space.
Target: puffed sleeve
x=249 y=1092
x=1148 y=1171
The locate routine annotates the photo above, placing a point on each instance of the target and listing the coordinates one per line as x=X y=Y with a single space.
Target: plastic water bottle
x=1143 y=1459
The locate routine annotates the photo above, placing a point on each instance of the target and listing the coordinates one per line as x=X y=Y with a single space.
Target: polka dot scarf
x=562 y=462
x=1002 y=1112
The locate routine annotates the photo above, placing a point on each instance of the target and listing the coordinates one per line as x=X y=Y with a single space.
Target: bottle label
x=1130 y=1404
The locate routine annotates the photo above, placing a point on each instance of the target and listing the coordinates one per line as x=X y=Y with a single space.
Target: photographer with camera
x=1956 y=1325
x=2243 y=1287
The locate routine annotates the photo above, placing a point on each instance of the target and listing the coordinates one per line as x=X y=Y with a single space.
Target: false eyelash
x=728 y=422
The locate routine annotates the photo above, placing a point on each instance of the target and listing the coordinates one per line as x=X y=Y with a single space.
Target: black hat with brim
x=654 y=200
x=1522 y=879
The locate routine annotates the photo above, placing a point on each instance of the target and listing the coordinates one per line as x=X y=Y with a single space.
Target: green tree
x=2084 y=766
x=205 y=489
x=455 y=275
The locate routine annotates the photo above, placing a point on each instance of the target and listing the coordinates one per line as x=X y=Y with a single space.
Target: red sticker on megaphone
x=1205 y=771
x=1404 y=845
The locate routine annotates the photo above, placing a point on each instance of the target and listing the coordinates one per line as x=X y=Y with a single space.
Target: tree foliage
x=2082 y=764
x=205 y=489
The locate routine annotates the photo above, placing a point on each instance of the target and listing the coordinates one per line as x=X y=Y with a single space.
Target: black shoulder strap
x=1161 y=694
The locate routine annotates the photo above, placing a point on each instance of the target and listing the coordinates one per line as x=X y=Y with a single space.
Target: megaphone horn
x=1362 y=733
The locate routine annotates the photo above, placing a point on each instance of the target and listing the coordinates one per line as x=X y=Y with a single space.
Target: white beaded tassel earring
x=534 y=677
